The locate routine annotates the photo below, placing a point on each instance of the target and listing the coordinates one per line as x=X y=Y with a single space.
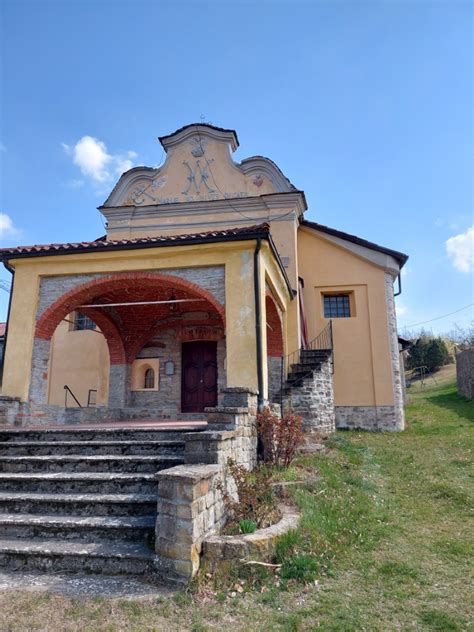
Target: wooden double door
x=198 y=376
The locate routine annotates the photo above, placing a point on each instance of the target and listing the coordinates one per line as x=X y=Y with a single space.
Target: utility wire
x=440 y=317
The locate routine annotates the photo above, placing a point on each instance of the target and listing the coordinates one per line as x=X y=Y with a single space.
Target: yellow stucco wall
x=237 y=257
x=79 y=359
x=362 y=372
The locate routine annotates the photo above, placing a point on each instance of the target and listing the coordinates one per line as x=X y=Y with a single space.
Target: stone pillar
x=190 y=508
x=38 y=394
x=119 y=385
x=232 y=431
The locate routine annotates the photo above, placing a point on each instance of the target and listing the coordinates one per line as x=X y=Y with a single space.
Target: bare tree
x=462 y=337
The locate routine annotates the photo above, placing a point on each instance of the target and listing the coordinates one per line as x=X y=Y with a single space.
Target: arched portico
x=132 y=311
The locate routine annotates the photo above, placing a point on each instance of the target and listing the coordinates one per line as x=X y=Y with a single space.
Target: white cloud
x=95 y=162
x=7 y=228
x=75 y=184
x=460 y=249
x=401 y=309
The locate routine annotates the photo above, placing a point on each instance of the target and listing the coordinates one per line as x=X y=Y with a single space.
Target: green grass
x=384 y=544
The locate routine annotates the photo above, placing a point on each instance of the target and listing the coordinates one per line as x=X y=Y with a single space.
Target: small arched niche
x=145 y=374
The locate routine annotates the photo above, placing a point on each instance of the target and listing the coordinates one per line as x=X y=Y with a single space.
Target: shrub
x=430 y=352
x=256 y=499
x=281 y=437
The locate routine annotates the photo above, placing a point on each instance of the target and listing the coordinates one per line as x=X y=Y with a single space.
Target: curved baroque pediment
x=198 y=167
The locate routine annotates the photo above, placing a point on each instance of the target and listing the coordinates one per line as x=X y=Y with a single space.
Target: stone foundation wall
x=313 y=400
x=374 y=418
x=10 y=407
x=19 y=413
x=274 y=377
x=465 y=373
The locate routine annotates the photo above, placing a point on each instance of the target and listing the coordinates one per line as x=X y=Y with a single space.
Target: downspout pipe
x=2 y=359
x=258 y=325
x=399 y=277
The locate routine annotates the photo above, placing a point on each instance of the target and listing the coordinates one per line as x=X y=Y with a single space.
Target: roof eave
x=400 y=257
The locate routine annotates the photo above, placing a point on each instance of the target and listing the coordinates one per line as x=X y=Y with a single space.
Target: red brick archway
x=274 y=328
x=127 y=328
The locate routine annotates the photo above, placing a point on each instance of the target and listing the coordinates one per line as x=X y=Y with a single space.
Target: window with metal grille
x=83 y=322
x=337 y=306
x=149 y=379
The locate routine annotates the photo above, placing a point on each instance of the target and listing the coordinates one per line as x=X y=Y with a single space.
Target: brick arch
x=275 y=329
x=111 y=334
x=52 y=316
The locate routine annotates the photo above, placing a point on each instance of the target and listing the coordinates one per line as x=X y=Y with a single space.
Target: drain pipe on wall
x=2 y=359
x=258 y=326
x=399 y=278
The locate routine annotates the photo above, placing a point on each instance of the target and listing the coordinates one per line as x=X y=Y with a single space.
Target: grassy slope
x=384 y=545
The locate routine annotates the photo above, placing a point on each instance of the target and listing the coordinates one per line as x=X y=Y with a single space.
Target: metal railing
x=66 y=391
x=323 y=342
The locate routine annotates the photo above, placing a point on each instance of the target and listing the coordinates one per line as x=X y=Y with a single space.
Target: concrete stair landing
x=82 y=498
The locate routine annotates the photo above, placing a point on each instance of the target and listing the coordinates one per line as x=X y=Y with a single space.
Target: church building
x=209 y=278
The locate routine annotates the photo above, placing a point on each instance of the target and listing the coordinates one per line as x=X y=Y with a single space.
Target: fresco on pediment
x=197 y=169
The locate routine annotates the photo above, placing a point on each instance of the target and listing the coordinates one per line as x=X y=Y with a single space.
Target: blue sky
x=367 y=106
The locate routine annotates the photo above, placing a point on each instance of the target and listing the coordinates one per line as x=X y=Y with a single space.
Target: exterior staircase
x=308 y=391
x=309 y=362
x=82 y=500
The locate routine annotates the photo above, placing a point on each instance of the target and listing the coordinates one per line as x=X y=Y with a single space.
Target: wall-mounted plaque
x=169 y=367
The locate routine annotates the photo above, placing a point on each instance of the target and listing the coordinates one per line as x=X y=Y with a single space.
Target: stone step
x=316 y=353
x=306 y=367
x=78 y=528
x=79 y=482
x=73 y=557
x=125 y=448
x=78 y=504
x=94 y=463
x=76 y=433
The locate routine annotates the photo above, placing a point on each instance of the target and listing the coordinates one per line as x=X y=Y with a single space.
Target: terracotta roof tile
x=231 y=234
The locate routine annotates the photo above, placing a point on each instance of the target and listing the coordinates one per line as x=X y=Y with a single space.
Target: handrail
x=66 y=391
x=322 y=342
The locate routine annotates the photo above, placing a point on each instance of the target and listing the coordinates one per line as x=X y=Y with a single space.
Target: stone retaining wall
x=190 y=508
x=465 y=373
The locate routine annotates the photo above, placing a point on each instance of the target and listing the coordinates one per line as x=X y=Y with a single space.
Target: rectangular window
x=337 y=306
x=82 y=322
